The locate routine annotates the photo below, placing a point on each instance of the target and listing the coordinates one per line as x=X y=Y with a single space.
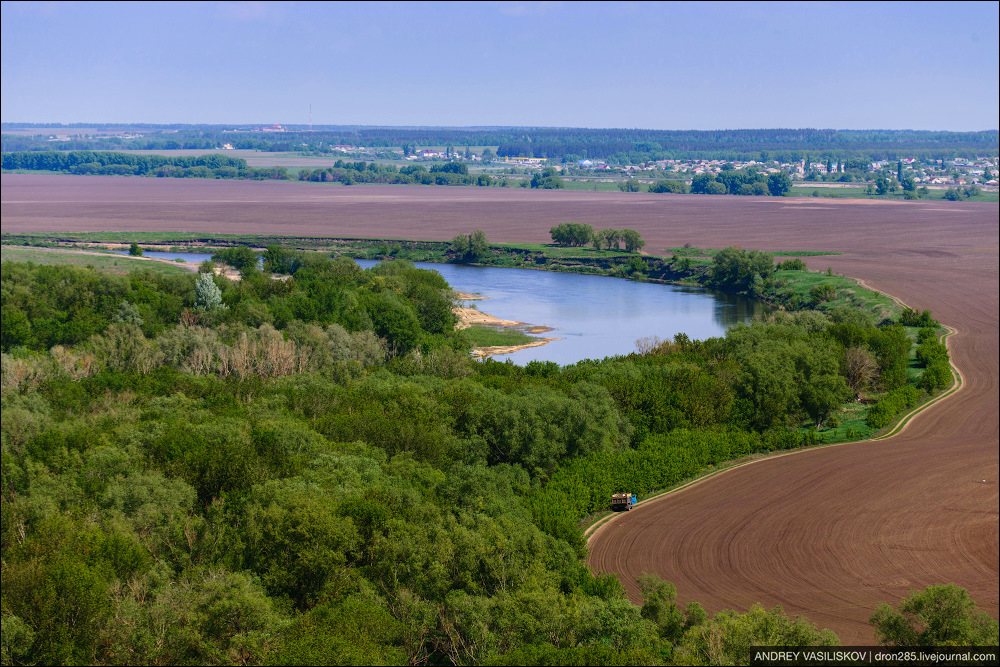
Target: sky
x=688 y=65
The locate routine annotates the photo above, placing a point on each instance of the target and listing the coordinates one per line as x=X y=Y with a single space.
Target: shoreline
x=470 y=316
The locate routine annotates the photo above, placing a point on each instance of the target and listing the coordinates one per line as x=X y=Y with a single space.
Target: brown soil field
x=828 y=533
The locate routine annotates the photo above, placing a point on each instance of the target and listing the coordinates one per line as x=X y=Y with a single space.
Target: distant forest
x=566 y=144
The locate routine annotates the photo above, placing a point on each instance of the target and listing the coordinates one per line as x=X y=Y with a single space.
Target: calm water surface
x=594 y=316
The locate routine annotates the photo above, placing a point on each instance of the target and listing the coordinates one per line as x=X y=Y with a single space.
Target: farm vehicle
x=623 y=502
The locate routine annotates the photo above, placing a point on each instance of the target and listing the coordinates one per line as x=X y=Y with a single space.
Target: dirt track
x=828 y=533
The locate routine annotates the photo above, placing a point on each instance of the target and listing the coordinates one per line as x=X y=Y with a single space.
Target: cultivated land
x=827 y=533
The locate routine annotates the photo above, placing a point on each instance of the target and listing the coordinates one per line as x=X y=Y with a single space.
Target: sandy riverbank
x=469 y=316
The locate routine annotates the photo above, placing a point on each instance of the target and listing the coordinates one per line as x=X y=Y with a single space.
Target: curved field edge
x=898 y=425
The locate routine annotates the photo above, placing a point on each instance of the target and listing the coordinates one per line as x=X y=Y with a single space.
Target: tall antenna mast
x=310 y=117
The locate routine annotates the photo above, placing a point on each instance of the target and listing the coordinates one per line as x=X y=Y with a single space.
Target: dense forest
x=564 y=144
x=214 y=165
x=305 y=467
x=130 y=164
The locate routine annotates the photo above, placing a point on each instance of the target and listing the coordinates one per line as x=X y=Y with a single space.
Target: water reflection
x=594 y=316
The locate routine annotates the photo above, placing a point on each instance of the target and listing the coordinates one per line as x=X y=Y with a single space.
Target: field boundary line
x=958 y=383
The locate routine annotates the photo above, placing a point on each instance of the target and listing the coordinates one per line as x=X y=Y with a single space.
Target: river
x=593 y=316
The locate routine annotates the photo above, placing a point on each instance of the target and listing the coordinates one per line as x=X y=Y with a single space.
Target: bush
x=792 y=265
x=942 y=615
x=930 y=352
x=936 y=376
x=821 y=293
x=913 y=318
x=679 y=187
x=894 y=402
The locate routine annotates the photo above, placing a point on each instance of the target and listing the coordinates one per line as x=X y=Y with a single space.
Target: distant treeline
x=349 y=173
x=619 y=145
x=130 y=164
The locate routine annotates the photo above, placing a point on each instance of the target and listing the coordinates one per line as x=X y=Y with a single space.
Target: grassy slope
x=104 y=262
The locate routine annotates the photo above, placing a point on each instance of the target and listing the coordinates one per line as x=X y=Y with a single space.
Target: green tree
x=734 y=268
x=297 y=544
x=395 y=321
x=821 y=293
x=891 y=347
x=479 y=246
x=547 y=179
x=942 y=615
x=780 y=184
x=241 y=258
x=633 y=240
x=701 y=182
x=631 y=185
x=715 y=188
x=470 y=247
x=572 y=233
x=668 y=185
x=127 y=313
x=208 y=296
x=281 y=260
x=659 y=606
x=730 y=637
x=607 y=238
x=135 y=250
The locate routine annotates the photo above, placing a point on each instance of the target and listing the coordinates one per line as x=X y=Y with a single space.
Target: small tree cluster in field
x=572 y=234
x=792 y=265
x=742 y=182
x=577 y=234
x=610 y=239
x=894 y=402
x=932 y=354
x=670 y=185
x=470 y=247
x=547 y=179
x=914 y=318
x=738 y=270
x=956 y=194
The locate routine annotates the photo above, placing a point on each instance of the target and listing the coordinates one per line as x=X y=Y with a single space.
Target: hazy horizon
x=689 y=66
x=299 y=127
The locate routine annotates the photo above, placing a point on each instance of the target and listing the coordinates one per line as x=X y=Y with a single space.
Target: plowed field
x=828 y=533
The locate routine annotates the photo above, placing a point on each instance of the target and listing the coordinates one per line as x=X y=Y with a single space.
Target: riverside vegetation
x=311 y=470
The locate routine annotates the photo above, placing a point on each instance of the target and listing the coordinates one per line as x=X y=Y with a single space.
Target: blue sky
x=924 y=65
